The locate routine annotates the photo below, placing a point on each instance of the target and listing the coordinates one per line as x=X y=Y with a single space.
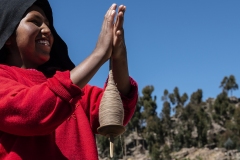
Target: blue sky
x=190 y=44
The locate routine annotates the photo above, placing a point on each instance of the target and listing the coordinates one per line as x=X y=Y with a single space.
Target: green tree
x=223 y=84
x=229 y=83
x=202 y=122
x=165 y=95
x=196 y=97
x=166 y=153
x=178 y=139
x=237 y=121
x=224 y=110
x=176 y=98
x=153 y=128
x=103 y=145
x=165 y=114
x=232 y=83
x=229 y=144
x=148 y=102
x=135 y=123
x=221 y=104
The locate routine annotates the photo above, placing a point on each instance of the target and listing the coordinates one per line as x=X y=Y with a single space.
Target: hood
x=12 y=11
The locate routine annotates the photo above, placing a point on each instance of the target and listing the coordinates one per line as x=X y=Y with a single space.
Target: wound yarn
x=111 y=108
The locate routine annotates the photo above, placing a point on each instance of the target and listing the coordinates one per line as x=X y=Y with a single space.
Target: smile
x=44 y=42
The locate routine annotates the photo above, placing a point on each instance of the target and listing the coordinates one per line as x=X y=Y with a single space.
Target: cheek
x=26 y=33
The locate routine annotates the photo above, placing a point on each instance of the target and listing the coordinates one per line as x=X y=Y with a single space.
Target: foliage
x=179 y=100
x=196 y=97
x=136 y=123
x=188 y=126
x=165 y=155
x=229 y=144
x=229 y=83
x=103 y=145
x=153 y=130
x=237 y=121
x=221 y=104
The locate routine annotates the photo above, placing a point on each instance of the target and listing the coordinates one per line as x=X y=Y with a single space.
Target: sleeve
x=36 y=110
x=91 y=102
x=130 y=101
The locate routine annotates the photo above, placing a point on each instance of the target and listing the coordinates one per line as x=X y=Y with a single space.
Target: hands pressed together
x=111 y=38
x=110 y=44
x=118 y=33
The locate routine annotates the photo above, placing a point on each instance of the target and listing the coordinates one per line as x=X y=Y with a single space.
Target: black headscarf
x=11 y=13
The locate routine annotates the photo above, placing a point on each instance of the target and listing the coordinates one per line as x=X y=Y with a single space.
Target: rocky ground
x=191 y=154
x=206 y=154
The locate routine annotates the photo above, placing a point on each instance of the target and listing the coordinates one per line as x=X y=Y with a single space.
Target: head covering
x=11 y=13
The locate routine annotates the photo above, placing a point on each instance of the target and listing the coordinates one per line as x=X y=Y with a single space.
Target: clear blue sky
x=190 y=44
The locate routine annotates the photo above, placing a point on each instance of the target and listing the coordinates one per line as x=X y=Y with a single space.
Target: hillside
x=186 y=128
x=217 y=134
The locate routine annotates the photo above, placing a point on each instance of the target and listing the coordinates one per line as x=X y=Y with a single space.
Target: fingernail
x=113 y=11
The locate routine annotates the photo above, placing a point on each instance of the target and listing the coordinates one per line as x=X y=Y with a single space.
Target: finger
x=119 y=37
x=109 y=16
x=110 y=20
x=122 y=8
x=119 y=32
x=120 y=17
x=112 y=7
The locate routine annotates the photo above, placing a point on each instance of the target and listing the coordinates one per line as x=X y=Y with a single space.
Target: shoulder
x=6 y=70
x=20 y=74
x=5 y=67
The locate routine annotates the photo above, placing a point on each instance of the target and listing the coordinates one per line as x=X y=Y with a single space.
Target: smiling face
x=32 y=41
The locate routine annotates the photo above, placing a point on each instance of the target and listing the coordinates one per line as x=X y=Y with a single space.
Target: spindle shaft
x=111 y=139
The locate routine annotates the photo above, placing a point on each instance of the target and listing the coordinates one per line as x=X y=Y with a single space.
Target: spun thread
x=111 y=108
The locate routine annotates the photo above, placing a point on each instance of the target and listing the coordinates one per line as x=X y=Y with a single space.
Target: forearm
x=83 y=73
x=120 y=73
x=119 y=55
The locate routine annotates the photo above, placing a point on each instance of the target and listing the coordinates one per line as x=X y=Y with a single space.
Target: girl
x=47 y=109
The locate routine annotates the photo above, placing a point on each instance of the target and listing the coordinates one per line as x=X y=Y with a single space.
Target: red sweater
x=50 y=118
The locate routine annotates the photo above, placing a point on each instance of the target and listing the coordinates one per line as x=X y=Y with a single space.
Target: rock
x=233 y=99
x=217 y=129
x=181 y=154
x=210 y=146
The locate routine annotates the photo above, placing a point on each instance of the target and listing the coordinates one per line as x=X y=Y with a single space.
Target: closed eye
x=36 y=22
x=37 y=19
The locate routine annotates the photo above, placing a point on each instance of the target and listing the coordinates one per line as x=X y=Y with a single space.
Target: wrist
x=119 y=53
x=101 y=54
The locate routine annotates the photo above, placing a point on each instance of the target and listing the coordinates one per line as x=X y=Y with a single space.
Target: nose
x=46 y=30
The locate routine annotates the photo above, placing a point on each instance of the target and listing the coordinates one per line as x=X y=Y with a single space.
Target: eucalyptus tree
x=178 y=100
x=136 y=122
x=196 y=97
x=165 y=115
x=153 y=128
x=229 y=84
